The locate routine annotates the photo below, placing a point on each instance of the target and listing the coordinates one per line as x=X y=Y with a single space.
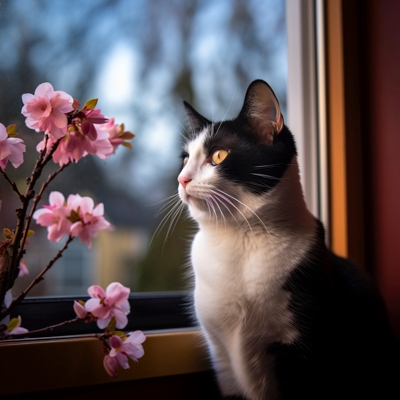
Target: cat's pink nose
x=183 y=180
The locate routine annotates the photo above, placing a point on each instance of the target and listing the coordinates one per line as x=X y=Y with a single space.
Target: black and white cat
x=282 y=316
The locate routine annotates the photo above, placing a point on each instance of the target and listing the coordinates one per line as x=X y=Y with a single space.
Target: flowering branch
x=36 y=200
x=22 y=228
x=70 y=134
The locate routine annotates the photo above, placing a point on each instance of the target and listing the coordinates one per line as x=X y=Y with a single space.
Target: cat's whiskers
x=174 y=221
x=203 y=193
x=271 y=165
x=223 y=195
x=176 y=208
x=219 y=199
x=246 y=206
x=168 y=202
x=260 y=185
x=264 y=176
x=215 y=201
x=210 y=205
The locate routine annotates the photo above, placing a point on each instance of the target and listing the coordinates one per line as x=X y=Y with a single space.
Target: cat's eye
x=218 y=156
x=185 y=160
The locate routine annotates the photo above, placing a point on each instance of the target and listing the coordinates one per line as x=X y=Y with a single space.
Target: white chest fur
x=238 y=274
x=240 y=302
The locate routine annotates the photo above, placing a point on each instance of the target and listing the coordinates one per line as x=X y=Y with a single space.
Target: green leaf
x=31 y=233
x=8 y=234
x=12 y=130
x=13 y=324
x=111 y=325
x=127 y=135
x=90 y=104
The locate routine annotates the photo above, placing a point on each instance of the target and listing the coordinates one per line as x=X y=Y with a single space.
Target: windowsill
x=58 y=363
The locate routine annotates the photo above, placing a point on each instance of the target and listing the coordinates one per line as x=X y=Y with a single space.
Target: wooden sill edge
x=47 y=364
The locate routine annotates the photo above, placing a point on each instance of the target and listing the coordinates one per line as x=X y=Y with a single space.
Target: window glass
x=141 y=59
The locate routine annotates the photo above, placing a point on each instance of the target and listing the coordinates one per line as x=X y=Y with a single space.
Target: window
x=141 y=59
x=152 y=110
x=153 y=311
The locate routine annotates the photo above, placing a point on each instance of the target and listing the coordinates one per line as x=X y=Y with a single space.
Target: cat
x=282 y=316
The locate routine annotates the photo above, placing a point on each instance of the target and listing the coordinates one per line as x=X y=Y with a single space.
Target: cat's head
x=230 y=167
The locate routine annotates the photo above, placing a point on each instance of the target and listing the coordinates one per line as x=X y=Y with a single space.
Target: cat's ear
x=261 y=110
x=196 y=121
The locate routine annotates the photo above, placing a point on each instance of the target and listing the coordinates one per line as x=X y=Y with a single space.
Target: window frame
x=149 y=311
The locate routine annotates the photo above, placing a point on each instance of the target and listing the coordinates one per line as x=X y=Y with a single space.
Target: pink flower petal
x=62 y=101
x=117 y=293
x=80 y=310
x=136 y=337
x=97 y=309
x=122 y=360
x=3 y=132
x=115 y=341
x=120 y=318
x=96 y=291
x=44 y=89
x=59 y=119
x=110 y=365
x=103 y=323
x=56 y=198
x=86 y=205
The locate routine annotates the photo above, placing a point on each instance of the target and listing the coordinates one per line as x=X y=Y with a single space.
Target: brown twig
x=42 y=330
x=12 y=184
x=21 y=213
x=23 y=294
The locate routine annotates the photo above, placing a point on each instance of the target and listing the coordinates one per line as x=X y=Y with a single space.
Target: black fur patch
x=344 y=344
x=251 y=164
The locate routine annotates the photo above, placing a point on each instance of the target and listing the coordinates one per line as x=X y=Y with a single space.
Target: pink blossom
x=131 y=346
x=11 y=149
x=103 y=146
x=80 y=309
x=121 y=349
x=46 y=110
x=110 y=303
x=55 y=217
x=87 y=121
x=110 y=365
x=77 y=217
x=72 y=147
x=89 y=218
x=117 y=134
x=76 y=145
